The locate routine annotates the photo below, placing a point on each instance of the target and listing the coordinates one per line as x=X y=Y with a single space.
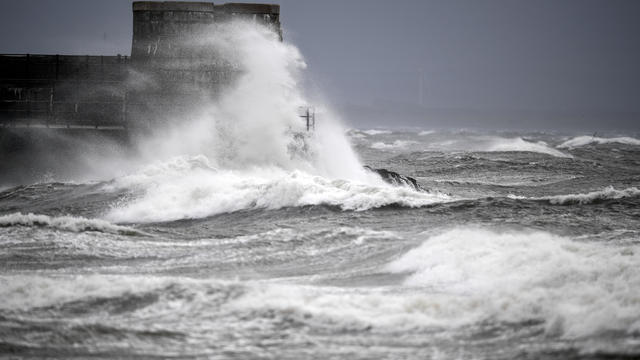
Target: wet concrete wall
x=163 y=77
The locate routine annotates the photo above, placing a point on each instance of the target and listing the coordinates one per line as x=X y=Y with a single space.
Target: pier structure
x=164 y=73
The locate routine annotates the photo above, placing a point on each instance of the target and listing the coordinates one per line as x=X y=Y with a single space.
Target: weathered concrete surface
x=156 y=84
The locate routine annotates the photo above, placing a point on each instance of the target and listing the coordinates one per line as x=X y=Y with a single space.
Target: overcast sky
x=485 y=63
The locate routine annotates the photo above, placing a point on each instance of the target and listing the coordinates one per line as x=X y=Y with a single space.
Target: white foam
x=376 y=132
x=173 y=193
x=472 y=275
x=494 y=144
x=250 y=149
x=398 y=144
x=577 y=288
x=355 y=134
x=426 y=132
x=29 y=291
x=608 y=193
x=519 y=144
x=66 y=223
x=586 y=140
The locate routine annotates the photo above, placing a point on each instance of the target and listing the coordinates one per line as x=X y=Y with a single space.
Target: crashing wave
x=480 y=274
x=376 y=132
x=398 y=144
x=519 y=144
x=426 y=132
x=66 y=223
x=486 y=143
x=201 y=192
x=608 y=193
x=586 y=140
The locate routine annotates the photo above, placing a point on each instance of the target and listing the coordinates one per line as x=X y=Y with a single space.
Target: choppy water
x=527 y=246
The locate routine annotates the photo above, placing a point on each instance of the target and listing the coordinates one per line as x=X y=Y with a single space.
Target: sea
x=520 y=246
x=238 y=235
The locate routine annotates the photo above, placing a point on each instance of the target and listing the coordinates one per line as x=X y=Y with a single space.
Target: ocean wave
x=586 y=140
x=493 y=144
x=355 y=134
x=519 y=144
x=608 y=193
x=201 y=192
x=578 y=289
x=21 y=292
x=376 y=132
x=426 y=132
x=398 y=144
x=66 y=223
x=461 y=277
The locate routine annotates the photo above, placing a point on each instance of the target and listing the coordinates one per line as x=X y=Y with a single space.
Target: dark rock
x=394 y=178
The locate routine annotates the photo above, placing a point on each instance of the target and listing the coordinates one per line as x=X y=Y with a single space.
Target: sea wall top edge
x=206 y=7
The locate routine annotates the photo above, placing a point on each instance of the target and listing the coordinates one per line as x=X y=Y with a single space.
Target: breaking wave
x=191 y=188
x=66 y=223
x=586 y=140
x=24 y=291
x=398 y=144
x=519 y=144
x=250 y=149
x=578 y=289
x=461 y=277
x=492 y=144
x=376 y=132
x=608 y=193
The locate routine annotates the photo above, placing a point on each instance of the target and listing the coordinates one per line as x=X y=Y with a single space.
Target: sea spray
x=248 y=143
x=580 y=141
x=525 y=275
x=255 y=120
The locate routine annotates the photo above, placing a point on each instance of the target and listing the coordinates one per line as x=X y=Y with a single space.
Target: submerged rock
x=394 y=178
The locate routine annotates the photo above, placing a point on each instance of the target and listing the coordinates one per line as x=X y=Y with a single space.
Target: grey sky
x=501 y=64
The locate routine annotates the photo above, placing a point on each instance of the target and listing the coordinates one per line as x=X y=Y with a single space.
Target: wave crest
x=202 y=192
x=579 y=141
x=608 y=193
x=66 y=223
x=519 y=144
x=524 y=275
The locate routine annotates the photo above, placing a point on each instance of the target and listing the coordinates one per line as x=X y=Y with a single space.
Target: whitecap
x=519 y=144
x=201 y=192
x=577 y=288
x=376 y=132
x=608 y=193
x=586 y=140
x=66 y=223
x=398 y=144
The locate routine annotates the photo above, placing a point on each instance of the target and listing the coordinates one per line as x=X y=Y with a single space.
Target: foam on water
x=578 y=289
x=31 y=291
x=180 y=190
x=398 y=144
x=250 y=150
x=579 y=141
x=608 y=193
x=65 y=223
x=519 y=144
x=426 y=132
x=373 y=132
x=461 y=277
x=486 y=143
